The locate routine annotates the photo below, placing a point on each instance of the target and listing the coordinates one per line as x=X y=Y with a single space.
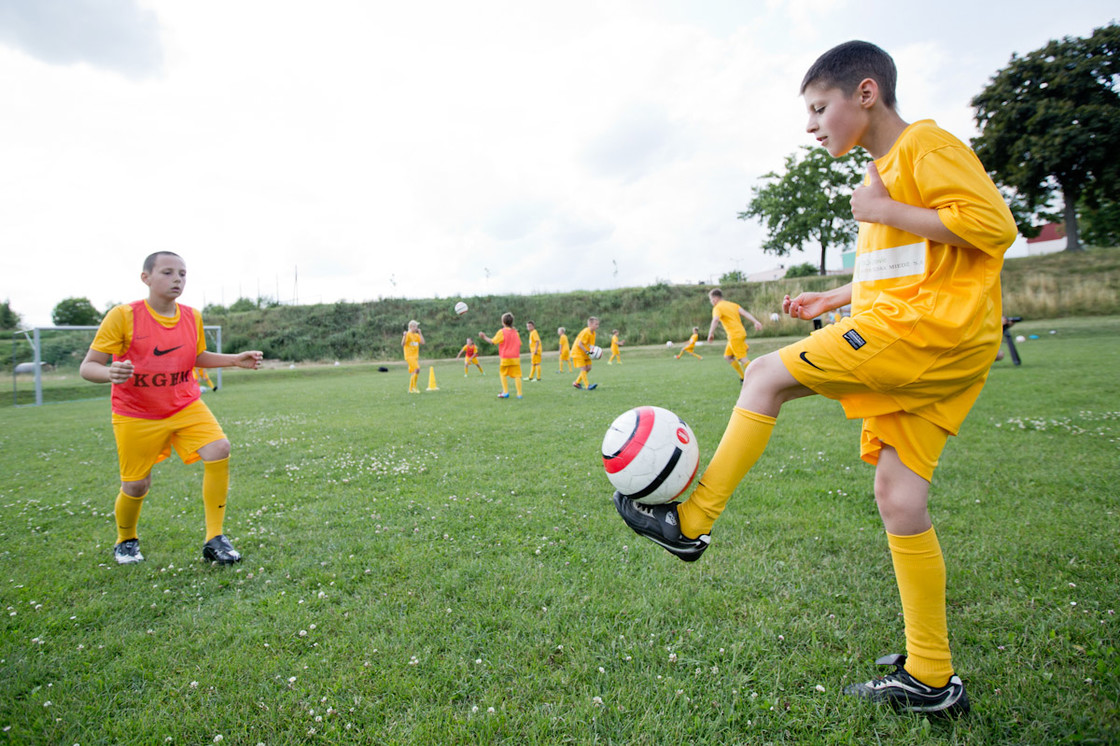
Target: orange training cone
x=432 y=379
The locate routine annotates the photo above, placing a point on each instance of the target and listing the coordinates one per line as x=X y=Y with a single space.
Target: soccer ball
x=669 y=343
x=460 y=308
x=650 y=455
x=596 y=352
x=775 y=317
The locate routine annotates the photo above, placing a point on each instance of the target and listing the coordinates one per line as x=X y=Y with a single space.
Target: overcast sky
x=357 y=149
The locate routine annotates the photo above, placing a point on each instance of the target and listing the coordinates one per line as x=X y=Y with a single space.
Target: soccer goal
x=46 y=359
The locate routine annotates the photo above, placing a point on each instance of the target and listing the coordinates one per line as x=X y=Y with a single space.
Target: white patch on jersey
x=892 y=263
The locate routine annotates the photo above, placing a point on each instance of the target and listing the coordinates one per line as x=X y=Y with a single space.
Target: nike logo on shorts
x=805 y=356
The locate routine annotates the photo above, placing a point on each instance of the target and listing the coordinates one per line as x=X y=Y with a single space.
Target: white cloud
x=380 y=149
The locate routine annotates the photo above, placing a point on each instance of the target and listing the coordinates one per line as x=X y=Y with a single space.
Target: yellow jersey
x=928 y=313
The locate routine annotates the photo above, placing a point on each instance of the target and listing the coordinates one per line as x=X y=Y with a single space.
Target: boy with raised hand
x=727 y=313
x=535 y=349
x=147 y=350
x=410 y=343
x=910 y=360
x=581 y=354
x=509 y=354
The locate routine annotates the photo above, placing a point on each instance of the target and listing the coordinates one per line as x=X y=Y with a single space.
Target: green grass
x=447 y=568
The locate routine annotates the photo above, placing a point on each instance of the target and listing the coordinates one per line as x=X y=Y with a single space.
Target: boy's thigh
x=813 y=363
x=143 y=443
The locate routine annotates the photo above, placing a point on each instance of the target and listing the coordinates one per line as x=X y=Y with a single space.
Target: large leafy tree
x=1050 y=123
x=75 y=312
x=810 y=203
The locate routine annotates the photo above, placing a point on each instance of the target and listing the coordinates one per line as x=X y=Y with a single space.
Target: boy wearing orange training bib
x=148 y=351
x=910 y=360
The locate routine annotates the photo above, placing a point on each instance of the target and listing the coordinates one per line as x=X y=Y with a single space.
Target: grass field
x=447 y=568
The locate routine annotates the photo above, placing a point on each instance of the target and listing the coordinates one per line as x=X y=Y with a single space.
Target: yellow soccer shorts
x=736 y=348
x=141 y=444
x=918 y=441
x=579 y=360
x=511 y=368
x=413 y=364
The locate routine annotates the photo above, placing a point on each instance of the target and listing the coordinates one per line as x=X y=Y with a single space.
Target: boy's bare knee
x=215 y=451
x=138 y=488
x=767 y=385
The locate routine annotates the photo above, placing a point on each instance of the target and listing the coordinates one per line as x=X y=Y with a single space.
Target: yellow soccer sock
x=743 y=442
x=505 y=382
x=517 y=383
x=127 y=511
x=738 y=368
x=919 y=570
x=582 y=378
x=215 y=489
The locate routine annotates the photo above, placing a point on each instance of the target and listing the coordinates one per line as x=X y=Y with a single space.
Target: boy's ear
x=868 y=92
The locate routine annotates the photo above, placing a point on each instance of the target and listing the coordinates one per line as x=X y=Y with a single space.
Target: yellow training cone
x=432 y=379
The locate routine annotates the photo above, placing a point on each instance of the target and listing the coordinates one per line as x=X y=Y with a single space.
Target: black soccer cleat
x=128 y=552
x=905 y=693
x=659 y=524
x=220 y=550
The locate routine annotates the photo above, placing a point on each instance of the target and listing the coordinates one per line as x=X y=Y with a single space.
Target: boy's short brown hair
x=507 y=318
x=150 y=260
x=846 y=65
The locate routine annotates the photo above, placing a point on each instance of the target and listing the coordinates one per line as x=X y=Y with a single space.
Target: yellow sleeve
x=114 y=335
x=498 y=337
x=201 y=333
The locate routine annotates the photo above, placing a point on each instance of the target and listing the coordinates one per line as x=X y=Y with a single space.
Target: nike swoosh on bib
x=158 y=352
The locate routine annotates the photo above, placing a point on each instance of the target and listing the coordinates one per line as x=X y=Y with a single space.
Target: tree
x=9 y=319
x=734 y=275
x=1050 y=122
x=805 y=269
x=1100 y=223
x=811 y=202
x=75 y=312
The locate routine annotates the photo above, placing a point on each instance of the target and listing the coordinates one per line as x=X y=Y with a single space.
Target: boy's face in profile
x=167 y=278
x=837 y=120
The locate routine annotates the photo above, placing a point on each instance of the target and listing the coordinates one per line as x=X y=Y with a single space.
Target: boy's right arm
x=712 y=329
x=811 y=305
x=99 y=367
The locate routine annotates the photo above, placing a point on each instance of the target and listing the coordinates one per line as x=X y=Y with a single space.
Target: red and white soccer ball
x=460 y=308
x=650 y=455
x=596 y=352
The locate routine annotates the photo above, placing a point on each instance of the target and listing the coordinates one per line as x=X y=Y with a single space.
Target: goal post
x=69 y=355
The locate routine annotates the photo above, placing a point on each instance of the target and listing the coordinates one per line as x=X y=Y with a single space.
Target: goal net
x=45 y=362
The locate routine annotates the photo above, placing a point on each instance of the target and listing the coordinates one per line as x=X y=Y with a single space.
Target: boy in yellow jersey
x=727 y=313
x=148 y=350
x=910 y=359
x=581 y=354
x=615 y=353
x=471 y=352
x=411 y=342
x=690 y=345
x=509 y=354
x=565 y=350
x=535 y=350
